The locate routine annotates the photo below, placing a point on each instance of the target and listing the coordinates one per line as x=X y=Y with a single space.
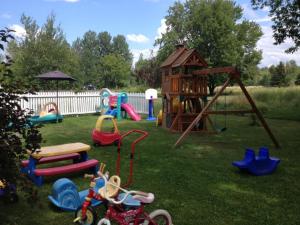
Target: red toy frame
x=144 y=134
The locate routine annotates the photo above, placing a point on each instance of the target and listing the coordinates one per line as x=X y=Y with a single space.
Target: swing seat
x=221 y=129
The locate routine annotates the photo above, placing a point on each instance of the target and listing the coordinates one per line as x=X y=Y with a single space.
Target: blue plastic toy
x=65 y=194
x=260 y=165
x=49 y=114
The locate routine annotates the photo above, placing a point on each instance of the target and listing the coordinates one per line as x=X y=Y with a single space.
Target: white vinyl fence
x=71 y=103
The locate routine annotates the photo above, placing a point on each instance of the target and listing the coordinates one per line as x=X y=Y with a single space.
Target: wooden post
x=196 y=120
x=257 y=112
x=174 y=121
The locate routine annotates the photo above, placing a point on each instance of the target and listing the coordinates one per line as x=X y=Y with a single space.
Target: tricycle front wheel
x=90 y=219
x=159 y=217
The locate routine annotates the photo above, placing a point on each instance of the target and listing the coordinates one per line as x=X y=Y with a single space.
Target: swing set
x=233 y=77
x=185 y=95
x=215 y=125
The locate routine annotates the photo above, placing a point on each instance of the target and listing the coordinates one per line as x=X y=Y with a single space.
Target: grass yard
x=194 y=182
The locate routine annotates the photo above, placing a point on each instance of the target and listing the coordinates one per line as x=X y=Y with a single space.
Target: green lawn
x=194 y=182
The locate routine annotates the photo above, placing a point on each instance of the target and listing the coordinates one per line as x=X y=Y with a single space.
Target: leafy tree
x=212 y=28
x=115 y=71
x=120 y=47
x=105 y=43
x=292 y=71
x=42 y=50
x=297 y=81
x=95 y=51
x=89 y=54
x=147 y=71
x=265 y=77
x=15 y=137
x=285 y=14
x=278 y=74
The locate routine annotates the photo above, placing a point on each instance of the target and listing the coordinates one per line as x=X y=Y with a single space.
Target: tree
x=297 y=81
x=50 y=48
x=278 y=75
x=265 y=77
x=120 y=47
x=88 y=50
x=105 y=43
x=98 y=50
x=147 y=71
x=292 y=71
x=212 y=28
x=285 y=15
x=115 y=71
x=15 y=137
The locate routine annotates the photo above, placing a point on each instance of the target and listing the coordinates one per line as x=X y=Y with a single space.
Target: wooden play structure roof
x=183 y=56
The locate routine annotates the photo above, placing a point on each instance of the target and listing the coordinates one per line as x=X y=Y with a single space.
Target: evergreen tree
x=278 y=75
x=50 y=48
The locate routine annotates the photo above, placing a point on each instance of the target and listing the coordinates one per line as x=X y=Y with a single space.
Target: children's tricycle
x=8 y=191
x=126 y=208
x=101 y=137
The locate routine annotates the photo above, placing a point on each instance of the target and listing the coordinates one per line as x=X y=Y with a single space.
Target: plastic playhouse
x=49 y=114
x=101 y=137
x=116 y=104
x=259 y=165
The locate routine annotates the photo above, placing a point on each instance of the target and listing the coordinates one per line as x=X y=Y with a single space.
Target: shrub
x=15 y=135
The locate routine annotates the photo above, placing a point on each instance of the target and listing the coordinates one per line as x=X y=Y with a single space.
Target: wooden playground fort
x=186 y=106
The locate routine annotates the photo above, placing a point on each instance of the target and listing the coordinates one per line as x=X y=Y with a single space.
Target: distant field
x=275 y=103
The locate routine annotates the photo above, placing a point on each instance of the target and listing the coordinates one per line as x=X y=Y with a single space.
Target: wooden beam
x=230 y=111
x=257 y=112
x=174 y=121
x=196 y=120
x=228 y=70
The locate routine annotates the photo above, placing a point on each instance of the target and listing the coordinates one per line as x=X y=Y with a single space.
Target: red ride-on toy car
x=101 y=137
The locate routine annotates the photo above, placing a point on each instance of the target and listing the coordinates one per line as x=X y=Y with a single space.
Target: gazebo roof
x=55 y=75
x=183 y=56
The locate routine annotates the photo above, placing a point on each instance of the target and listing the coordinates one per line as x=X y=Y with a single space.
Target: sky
x=140 y=21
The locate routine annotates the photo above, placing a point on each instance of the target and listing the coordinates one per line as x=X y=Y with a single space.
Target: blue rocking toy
x=262 y=164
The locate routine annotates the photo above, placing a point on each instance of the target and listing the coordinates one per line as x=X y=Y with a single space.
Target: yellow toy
x=159 y=118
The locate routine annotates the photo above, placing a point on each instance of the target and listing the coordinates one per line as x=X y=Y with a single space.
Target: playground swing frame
x=233 y=76
x=214 y=124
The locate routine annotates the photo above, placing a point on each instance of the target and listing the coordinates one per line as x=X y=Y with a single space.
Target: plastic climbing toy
x=262 y=164
x=116 y=104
